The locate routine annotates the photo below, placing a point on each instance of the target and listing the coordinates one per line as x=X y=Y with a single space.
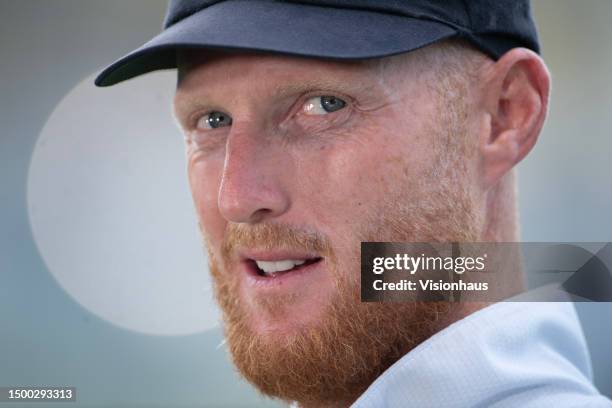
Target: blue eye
x=214 y=120
x=321 y=105
x=332 y=104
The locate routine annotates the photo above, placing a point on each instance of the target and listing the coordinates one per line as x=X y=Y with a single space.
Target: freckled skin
x=325 y=172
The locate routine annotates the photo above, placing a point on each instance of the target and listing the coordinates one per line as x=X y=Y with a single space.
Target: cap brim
x=279 y=27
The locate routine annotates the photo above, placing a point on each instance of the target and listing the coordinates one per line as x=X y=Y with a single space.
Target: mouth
x=276 y=267
x=272 y=269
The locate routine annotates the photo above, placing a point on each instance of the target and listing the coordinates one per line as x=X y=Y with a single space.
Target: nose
x=251 y=188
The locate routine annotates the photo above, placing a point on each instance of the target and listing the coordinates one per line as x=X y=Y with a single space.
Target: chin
x=286 y=315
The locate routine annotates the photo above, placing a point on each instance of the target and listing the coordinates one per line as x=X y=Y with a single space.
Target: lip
x=285 y=281
x=275 y=255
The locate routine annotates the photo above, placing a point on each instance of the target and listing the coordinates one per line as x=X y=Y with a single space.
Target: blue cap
x=336 y=29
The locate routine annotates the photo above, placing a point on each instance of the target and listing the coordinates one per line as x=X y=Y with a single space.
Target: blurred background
x=103 y=284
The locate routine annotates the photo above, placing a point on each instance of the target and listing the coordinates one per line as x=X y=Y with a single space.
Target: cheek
x=347 y=178
x=204 y=181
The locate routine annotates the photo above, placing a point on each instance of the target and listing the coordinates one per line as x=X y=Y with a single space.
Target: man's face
x=292 y=163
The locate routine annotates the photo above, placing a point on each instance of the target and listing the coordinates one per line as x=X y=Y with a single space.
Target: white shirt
x=509 y=354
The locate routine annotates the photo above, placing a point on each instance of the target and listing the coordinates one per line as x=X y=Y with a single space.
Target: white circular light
x=110 y=208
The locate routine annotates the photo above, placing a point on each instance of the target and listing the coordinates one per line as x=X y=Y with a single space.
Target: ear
x=515 y=92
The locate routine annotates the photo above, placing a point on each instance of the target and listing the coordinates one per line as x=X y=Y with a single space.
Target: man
x=313 y=126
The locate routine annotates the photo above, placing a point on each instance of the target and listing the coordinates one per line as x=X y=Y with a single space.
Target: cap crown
x=478 y=20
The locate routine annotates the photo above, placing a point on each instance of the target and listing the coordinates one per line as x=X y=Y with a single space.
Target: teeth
x=272 y=267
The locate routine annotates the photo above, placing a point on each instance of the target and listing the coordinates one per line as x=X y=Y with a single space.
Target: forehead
x=194 y=60
x=216 y=69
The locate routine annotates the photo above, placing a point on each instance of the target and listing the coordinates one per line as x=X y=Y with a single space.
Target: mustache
x=272 y=236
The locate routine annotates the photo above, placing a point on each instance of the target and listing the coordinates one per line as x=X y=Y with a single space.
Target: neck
x=501 y=211
x=500 y=225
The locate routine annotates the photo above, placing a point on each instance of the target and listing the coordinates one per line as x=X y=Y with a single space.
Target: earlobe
x=515 y=91
x=500 y=156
